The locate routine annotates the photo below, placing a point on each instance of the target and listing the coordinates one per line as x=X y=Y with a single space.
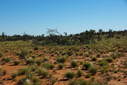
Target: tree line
x=55 y=38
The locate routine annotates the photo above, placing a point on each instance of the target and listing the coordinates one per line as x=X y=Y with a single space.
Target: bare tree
x=52 y=31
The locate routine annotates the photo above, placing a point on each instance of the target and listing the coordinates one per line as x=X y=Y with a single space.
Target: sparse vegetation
x=79 y=59
x=6 y=60
x=69 y=75
x=74 y=64
x=61 y=59
x=86 y=65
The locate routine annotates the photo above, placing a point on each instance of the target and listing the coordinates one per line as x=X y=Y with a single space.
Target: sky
x=71 y=16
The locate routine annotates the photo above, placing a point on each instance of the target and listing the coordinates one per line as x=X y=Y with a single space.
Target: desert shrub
x=103 y=63
x=69 y=53
x=60 y=66
x=27 y=81
x=16 y=62
x=6 y=60
x=23 y=54
x=48 y=66
x=1 y=54
x=79 y=73
x=24 y=81
x=109 y=59
x=125 y=64
x=30 y=61
x=61 y=59
x=93 y=58
x=104 y=66
x=23 y=71
x=36 y=81
x=43 y=73
x=92 y=70
x=45 y=59
x=2 y=72
x=88 y=75
x=86 y=54
x=29 y=75
x=78 y=82
x=94 y=82
x=53 y=81
x=69 y=75
x=36 y=48
x=86 y=65
x=14 y=75
x=38 y=62
x=115 y=55
x=74 y=64
x=81 y=63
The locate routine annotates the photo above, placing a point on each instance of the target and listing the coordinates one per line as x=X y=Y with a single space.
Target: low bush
x=61 y=59
x=6 y=60
x=78 y=82
x=88 y=75
x=74 y=64
x=60 y=66
x=79 y=73
x=48 y=66
x=93 y=58
x=23 y=71
x=92 y=70
x=23 y=54
x=86 y=65
x=27 y=81
x=30 y=61
x=2 y=72
x=109 y=59
x=1 y=54
x=43 y=73
x=69 y=75
x=103 y=63
x=16 y=62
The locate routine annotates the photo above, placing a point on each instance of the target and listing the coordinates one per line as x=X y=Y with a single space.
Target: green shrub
x=79 y=73
x=86 y=65
x=92 y=70
x=16 y=62
x=23 y=54
x=6 y=60
x=38 y=62
x=88 y=75
x=45 y=59
x=2 y=72
x=24 y=81
x=61 y=59
x=103 y=63
x=23 y=71
x=116 y=55
x=14 y=75
x=74 y=64
x=30 y=61
x=42 y=72
x=27 y=81
x=60 y=66
x=78 y=82
x=1 y=54
x=36 y=48
x=94 y=58
x=48 y=66
x=69 y=75
x=84 y=82
x=109 y=59
x=36 y=81
x=53 y=81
